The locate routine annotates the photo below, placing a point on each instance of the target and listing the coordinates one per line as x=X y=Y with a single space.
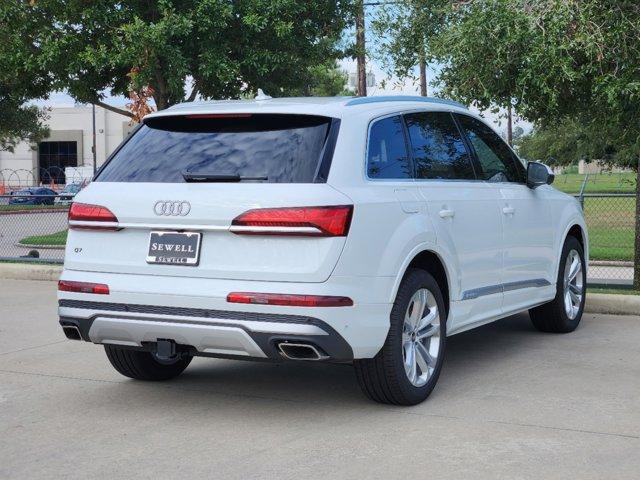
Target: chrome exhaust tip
x=300 y=351
x=72 y=332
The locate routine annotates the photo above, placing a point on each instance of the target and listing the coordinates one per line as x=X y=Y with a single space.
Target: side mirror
x=539 y=174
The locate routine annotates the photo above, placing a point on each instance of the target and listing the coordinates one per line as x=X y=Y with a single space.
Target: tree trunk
x=636 y=261
x=161 y=101
x=360 y=51
x=423 y=77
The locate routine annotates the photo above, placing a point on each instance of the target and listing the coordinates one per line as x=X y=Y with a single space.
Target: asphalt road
x=511 y=403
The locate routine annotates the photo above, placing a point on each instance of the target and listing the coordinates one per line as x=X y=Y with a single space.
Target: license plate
x=174 y=248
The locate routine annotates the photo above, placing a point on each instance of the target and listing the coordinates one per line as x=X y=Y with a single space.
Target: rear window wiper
x=216 y=177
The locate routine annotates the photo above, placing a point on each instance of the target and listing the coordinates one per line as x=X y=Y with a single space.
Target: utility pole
x=93 y=147
x=509 y=126
x=360 y=51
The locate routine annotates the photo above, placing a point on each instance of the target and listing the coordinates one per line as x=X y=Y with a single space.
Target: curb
x=610 y=263
x=41 y=247
x=22 y=271
x=613 y=304
x=596 y=302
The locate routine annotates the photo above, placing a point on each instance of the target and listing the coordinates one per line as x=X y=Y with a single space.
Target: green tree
x=557 y=62
x=92 y=49
x=19 y=122
x=570 y=140
x=21 y=80
x=405 y=29
x=324 y=80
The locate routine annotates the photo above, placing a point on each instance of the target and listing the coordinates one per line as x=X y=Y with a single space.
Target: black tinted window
x=437 y=147
x=497 y=161
x=283 y=148
x=387 y=151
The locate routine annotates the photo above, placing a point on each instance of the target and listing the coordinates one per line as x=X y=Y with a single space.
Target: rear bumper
x=207 y=332
x=141 y=309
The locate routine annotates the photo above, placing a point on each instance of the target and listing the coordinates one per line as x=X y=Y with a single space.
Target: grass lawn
x=8 y=208
x=53 y=239
x=597 y=183
x=611 y=227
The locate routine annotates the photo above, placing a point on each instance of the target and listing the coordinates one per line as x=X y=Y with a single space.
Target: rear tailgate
x=151 y=185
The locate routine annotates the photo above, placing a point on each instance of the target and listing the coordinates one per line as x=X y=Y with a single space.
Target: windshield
x=274 y=148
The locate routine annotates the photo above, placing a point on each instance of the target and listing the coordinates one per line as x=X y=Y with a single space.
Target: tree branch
x=111 y=108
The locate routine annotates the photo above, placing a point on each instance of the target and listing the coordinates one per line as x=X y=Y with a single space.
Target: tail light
x=83 y=287
x=219 y=115
x=332 y=221
x=289 y=300
x=95 y=217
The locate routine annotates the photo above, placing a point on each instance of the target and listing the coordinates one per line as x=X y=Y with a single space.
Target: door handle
x=445 y=213
x=508 y=210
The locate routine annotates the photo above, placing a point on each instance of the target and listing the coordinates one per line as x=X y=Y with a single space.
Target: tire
x=554 y=317
x=384 y=378
x=142 y=365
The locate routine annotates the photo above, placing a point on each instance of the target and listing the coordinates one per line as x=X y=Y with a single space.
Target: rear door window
x=437 y=147
x=387 y=156
x=282 y=148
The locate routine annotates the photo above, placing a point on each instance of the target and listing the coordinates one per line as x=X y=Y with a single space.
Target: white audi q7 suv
x=352 y=230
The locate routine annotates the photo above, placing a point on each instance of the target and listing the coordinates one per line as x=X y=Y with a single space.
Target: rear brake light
x=219 y=115
x=333 y=221
x=83 y=287
x=289 y=300
x=83 y=215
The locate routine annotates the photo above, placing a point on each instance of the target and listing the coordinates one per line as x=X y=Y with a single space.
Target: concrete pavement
x=511 y=403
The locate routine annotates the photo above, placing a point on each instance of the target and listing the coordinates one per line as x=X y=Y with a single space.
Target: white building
x=68 y=145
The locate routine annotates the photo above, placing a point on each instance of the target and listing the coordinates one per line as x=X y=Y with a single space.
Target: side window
x=497 y=161
x=387 y=155
x=437 y=147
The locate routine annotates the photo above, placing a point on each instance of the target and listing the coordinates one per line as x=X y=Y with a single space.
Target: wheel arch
x=575 y=231
x=432 y=262
x=578 y=230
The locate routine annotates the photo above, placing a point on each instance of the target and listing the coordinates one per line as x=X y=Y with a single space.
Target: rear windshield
x=275 y=148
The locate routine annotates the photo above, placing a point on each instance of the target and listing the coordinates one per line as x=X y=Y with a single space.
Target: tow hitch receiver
x=165 y=349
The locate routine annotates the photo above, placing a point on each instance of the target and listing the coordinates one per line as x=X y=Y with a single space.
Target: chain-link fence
x=34 y=226
x=611 y=222
x=33 y=211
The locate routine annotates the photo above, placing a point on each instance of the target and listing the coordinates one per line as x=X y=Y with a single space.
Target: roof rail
x=402 y=98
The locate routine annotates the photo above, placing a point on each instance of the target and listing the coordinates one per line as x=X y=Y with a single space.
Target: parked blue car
x=33 y=196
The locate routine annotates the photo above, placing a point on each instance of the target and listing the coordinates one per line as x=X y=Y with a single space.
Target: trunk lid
x=212 y=207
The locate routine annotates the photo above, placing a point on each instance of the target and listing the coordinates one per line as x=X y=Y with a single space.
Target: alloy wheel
x=421 y=337
x=573 y=284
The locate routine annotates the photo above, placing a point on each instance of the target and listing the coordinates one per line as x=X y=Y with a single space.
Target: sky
x=392 y=86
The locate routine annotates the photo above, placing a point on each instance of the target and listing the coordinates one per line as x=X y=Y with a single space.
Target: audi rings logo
x=172 y=208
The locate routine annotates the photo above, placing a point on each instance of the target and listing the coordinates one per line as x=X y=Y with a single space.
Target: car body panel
x=494 y=263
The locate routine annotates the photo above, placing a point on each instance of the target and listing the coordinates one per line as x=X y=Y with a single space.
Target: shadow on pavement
x=472 y=353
